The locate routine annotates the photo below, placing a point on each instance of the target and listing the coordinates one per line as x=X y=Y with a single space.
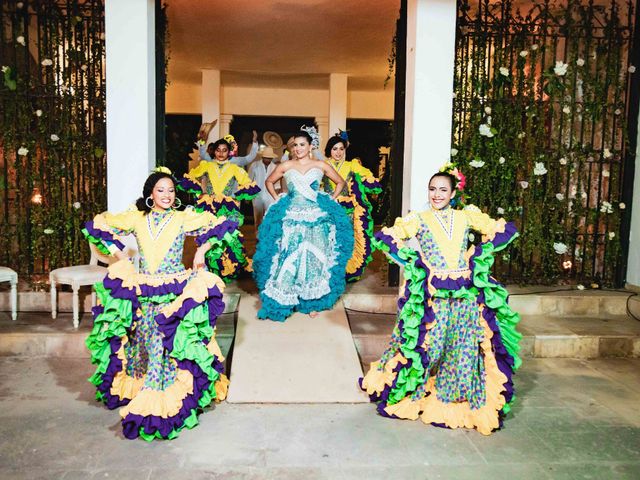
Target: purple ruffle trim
x=451 y=284
x=118 y=291
x=115 y=366
x=106 y=236
x=219 y=231
x=250 y=190
x=189 y=185
x=387 y=240
x=510 y=231
x=215 y=205
x=372 y=184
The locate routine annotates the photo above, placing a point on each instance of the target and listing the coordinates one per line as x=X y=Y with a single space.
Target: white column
x=431 y=34
x=633 y=260
x=323 y=131
x=337 y=104
x=225 y=125
x=131 y=104
x=211 y=101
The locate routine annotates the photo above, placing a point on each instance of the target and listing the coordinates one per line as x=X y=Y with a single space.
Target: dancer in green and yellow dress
x=454 y=348
x=153 y=338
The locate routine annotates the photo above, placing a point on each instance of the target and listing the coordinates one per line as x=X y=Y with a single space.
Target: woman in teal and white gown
x=304 y=241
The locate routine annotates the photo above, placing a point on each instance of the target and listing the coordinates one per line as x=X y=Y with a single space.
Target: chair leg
x=76 y=307
x=54 y=300
x=93 y=297
x=14 y=301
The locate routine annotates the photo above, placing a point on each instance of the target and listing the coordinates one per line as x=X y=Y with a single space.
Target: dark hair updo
x=155 y=177
x=304 y=134
x=217 y=143
x=332 y=142
x=453 y=181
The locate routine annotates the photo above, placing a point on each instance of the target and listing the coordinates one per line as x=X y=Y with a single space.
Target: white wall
x=186 y=98
x=633 y=261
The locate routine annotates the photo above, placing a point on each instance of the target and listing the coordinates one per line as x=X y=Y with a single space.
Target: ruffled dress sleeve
x=247 y=189
x=391 y=240
x=190 y=183
x=106 y=229
x=370 y=184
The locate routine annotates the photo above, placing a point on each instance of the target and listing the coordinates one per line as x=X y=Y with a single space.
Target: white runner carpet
x=301 y=360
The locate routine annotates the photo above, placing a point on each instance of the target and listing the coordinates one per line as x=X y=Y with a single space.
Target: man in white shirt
x=259 y=171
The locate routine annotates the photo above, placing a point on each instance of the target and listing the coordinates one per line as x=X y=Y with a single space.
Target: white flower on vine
x=47 y=62
x=521 y=135
x=524 y=53
x=19 y=5
x=580 y=287
x=606 y=153
x=501 y=160
x=561 y=68
x=476 y=163
x=534 y=47
x=454 y=95
x=485 y=130
x=583 y=195
x=560 y=196
x=539 y=169
x=500 y=211
x=38 y=113
x=618 y=111
x=5 y=69
x=22 y=151
x=563 y=161
x=76 y=205
x=605 y=173
x=20 y=40
x=54 y=137
x=487 y=110
x=454 y=152
x=504 y=71
x=631 y=69
x=580 y=62
x=605 y=207
x=524 y=185
x=84 y=68
x=612 y=235
x=48 y=231
x=622 y=206
x=566 y=109
x=560 y=248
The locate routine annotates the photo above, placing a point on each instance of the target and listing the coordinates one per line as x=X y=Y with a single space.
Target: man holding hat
x=259 y=171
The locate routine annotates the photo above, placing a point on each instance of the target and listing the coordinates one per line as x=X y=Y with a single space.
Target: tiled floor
x=574 y=419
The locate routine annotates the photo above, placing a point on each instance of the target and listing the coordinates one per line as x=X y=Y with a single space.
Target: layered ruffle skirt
x=153 y=342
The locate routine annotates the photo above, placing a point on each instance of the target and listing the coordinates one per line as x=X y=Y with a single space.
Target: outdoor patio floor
x=573 y=419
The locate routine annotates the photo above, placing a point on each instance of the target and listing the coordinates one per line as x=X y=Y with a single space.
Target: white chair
x=78 y=276
x=8 y=275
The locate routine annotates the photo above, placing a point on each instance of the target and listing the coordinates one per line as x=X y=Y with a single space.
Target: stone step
x=552 y=303
x=37 y=335
x=543 y=336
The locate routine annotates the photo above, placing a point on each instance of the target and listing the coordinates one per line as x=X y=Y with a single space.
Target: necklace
x=338 y=164
x=222 y=166
x=166 y=218
x=445 y=219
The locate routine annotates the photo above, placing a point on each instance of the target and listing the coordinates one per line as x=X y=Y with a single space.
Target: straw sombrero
x=272 y=139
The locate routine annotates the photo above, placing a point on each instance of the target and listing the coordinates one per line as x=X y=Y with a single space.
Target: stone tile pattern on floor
x=574 y=419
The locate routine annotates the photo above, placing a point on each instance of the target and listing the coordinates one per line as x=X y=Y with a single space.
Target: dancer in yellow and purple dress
x=220 y=186
x=360 y=183
x=454 y=348
x=153 y=338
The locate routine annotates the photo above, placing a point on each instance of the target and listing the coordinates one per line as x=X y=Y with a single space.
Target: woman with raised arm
x=454 y=348
x=220 y=186
x=305 y=239
x=153 y=338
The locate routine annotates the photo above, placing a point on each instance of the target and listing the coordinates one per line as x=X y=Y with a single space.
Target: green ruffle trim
x=218 y=246
x=246 y=196
x=496 y=299
x=102 y=248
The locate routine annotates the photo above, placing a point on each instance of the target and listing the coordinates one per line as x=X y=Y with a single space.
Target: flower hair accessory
x=315 y=138
x=344 y=135
x=234 y=145
x=452 y=169
x=162 y=170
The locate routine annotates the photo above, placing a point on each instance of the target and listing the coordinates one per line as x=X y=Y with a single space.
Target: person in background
x=209 y=153
x=258 y=173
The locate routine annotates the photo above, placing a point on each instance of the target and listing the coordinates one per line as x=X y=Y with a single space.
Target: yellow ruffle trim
x=357 y=258
x=375 y=380
x=215 y=200
x=501 y=224
x=197 y=289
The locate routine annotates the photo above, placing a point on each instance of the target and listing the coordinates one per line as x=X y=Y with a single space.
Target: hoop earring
x=146 y=202
x=178 y=205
